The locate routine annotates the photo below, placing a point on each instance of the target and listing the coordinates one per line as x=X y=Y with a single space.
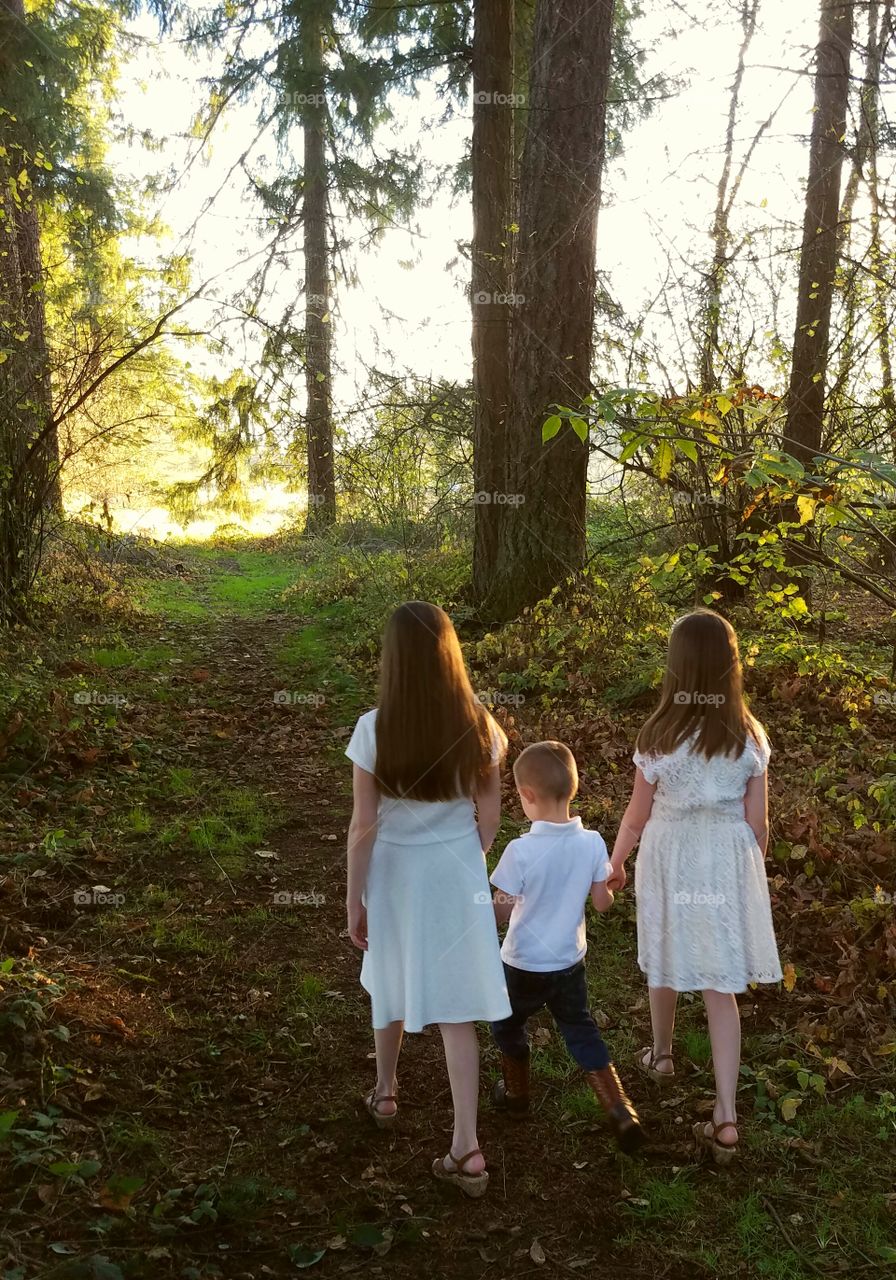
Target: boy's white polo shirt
x=551 y=870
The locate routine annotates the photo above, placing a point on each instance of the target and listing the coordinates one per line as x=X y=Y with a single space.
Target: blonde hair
x=549 y=768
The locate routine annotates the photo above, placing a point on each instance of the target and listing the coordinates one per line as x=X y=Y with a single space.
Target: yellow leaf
x=789 y=1107
x=663 y=459
x=806 y=507
x=885 y=1050
x=789 y=977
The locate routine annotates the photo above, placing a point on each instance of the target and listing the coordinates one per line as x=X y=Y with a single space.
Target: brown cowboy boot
x=511 y=1093
x=623 y=1117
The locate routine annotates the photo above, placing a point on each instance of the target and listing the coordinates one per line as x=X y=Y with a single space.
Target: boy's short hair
x=549 y=768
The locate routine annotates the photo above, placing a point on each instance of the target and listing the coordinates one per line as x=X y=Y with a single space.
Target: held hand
x=617 y=878
x=357 y=924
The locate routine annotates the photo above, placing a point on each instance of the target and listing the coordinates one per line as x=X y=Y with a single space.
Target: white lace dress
x=704 y=916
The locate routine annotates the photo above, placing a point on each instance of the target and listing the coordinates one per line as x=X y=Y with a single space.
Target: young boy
x=544 y=879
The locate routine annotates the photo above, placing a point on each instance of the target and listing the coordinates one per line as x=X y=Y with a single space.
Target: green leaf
x=366 y=1235
x=631 y=448
x=303 y=1257
x=688 y=448
x=580 y=427
x=551 y=427
x=7 y=1120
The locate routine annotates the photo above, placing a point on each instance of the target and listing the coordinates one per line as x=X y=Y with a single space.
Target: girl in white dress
x=700 y=810
x=427 y=802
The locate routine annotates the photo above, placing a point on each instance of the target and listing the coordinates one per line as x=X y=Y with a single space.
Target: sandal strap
x=654 y=1059
x=373 y=1102
x=460 y=1161
x=717 y=1129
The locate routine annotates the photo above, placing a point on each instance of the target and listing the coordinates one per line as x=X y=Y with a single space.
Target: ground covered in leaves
x=184 y=1040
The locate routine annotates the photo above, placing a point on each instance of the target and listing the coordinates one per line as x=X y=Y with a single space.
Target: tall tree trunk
x=542 y=537
x=318 y=378
x=818 y=260
x=492 y=159
x=878 y=40
x=29 y=456
x=721 y=226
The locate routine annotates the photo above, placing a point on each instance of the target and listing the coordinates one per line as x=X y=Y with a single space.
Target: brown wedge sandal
x=649 y=1068
x=722 y=1153
x=372 y=1104
x=471 y=1184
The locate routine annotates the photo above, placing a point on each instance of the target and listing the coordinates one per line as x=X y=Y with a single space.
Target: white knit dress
x=433 y=953
x=704 y=916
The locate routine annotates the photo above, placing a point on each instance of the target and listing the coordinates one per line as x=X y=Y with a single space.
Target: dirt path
x=202 y=1118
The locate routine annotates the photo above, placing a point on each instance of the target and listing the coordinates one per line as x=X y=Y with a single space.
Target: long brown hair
x=433 y=735
x=702 y=691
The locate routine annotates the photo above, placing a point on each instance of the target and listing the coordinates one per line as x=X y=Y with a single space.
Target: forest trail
x=207 y=1120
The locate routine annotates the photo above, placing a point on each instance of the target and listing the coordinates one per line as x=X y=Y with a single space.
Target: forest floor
x=186 y=1041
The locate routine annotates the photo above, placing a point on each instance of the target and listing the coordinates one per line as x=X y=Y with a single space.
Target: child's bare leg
x=663 y=1003
x=388 y=1046
x=723 y=1016
x=462 y=1059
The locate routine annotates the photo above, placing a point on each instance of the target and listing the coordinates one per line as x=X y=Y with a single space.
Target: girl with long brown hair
x=427 y=801
x=700 y=810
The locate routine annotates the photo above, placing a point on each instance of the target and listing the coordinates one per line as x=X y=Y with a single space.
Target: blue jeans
x=565 y=993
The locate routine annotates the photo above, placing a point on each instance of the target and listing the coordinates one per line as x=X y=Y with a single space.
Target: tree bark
x=721 y=226
x=29 y=453
x=818 y=260
x=318 y=377
x=492 y=178
x=542 y=535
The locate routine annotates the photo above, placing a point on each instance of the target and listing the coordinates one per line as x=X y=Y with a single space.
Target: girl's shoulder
x=758 y=749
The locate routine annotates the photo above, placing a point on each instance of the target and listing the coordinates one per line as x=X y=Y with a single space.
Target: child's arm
x=503 y=904
x=756 y=809
x=602 y=896
x=634 y=821
x=488 y=808
x=361 y=837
